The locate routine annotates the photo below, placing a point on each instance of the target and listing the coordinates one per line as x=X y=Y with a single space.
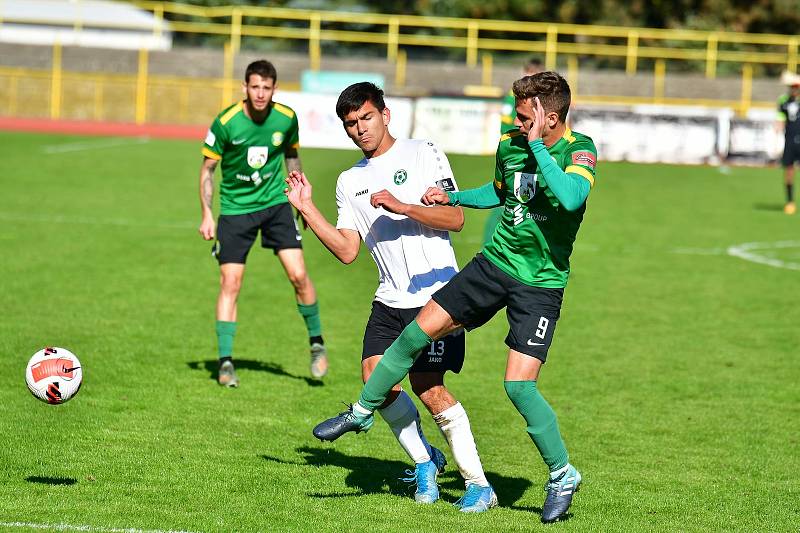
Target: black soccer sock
x=317 y=339
x=789 y=192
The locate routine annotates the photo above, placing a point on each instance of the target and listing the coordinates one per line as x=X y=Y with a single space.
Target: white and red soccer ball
x=54 y=375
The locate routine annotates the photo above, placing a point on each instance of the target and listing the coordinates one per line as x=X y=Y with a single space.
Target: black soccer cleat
x=350 y=420
x=559 y=495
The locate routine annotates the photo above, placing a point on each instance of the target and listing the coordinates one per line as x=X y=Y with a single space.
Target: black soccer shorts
x=236 y=233
x=386 y=323
x=481 y=289
x=791 y=153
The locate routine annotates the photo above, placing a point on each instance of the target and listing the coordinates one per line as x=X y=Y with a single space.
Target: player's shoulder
x=577 y=139
x=512 y=137
x=283 y=109
x=782 y=99
x=353 y=173
x=227 y=114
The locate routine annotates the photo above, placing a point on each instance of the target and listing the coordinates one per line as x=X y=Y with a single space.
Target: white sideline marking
x=91 y=145
x=699 y=251
x=57 y=219
x=68 y=527
x=748 y=252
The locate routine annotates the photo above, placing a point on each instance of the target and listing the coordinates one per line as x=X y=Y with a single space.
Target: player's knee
x=429 y=391
x=230 y=284
x=298 y=278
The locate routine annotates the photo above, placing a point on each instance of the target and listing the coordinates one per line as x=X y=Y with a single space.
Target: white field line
x=68 y=527
x=749 y=252
x=81 y=146
x=57 y=219
x=698 y=251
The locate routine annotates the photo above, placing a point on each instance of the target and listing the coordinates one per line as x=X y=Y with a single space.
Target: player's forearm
x=293 y=163
x=207 y=188
x=484 y=197
x=441 y=217
x=570 y=189
x=328 y=235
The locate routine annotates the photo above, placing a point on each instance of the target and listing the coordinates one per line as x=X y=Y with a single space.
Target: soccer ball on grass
x=54 y=375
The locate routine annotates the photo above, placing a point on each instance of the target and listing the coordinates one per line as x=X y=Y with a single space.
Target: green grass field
x=675 y=370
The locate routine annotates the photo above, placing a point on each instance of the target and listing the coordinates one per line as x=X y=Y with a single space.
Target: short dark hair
x=357 y=95
x=552 y=90
x=263 y=68
x=533 y=65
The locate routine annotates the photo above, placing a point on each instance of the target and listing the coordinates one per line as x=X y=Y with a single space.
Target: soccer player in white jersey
x=378 y=201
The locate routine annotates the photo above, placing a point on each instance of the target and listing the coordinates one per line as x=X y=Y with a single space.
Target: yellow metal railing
x=142 y=97
x=474 y=36
x=146 y=98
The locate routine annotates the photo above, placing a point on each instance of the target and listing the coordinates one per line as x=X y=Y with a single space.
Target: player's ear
x=386 y=116
x=552 y=119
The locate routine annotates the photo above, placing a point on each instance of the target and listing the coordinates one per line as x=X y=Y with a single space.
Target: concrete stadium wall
x=422 y=77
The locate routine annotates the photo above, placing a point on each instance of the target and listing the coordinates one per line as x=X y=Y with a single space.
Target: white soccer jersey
x=413 y=260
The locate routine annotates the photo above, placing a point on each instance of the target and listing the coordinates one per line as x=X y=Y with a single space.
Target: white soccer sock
x=403 y=417
x=454 y=424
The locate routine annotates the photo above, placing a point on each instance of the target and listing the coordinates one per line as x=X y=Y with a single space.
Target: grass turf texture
x=674 y=375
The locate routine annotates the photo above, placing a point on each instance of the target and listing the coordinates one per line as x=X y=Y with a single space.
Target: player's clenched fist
x=206 y=228
x=435 y=195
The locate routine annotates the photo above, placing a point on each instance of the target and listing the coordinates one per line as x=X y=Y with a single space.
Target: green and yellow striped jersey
x=533 y=241
x=253 y=157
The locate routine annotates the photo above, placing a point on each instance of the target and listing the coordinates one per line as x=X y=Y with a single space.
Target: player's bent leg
x=453 y=421
x=393 y=367
x=231 y=276
x=432 y=322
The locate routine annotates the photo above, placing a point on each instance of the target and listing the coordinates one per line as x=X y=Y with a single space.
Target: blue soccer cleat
x=350 y=420
x=559 y=495
x=424 y=475
x=477 y=499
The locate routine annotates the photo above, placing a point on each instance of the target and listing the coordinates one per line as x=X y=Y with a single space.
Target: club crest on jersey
x=277 y=138
x=400 y=177
x=257 y=156
x=524 y=186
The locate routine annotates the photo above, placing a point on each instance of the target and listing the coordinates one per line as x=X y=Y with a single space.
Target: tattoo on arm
x=207 y=184
x=293 y=163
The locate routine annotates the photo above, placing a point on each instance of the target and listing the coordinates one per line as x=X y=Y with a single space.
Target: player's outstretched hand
x=207 y=228
x=298 y=190
x=434 y=196
x=386 y=200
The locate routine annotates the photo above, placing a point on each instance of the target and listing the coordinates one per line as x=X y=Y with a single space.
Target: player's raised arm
x=439 y=217
x=207 y=226
x=342 y=243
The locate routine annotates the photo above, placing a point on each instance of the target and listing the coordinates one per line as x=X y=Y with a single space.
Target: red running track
x=111 y=129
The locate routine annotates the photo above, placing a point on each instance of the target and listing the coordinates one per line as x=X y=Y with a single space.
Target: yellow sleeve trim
x=230 y=114
x=575 y=169
x=510 y=134
x=211 y=155
x=498 y=184
x=280 y=108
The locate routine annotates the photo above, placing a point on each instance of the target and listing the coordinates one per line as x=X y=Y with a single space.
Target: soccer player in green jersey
x=507 y=117
x=256 y=140
x=543 y=176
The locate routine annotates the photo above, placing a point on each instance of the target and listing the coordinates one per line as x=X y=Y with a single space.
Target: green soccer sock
x=310 y=314
x=542 y=422
x=393 y=366
x=225 y=333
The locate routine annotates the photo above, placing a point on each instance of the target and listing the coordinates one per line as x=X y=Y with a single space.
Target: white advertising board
x=321 y=128
x=459 y=126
